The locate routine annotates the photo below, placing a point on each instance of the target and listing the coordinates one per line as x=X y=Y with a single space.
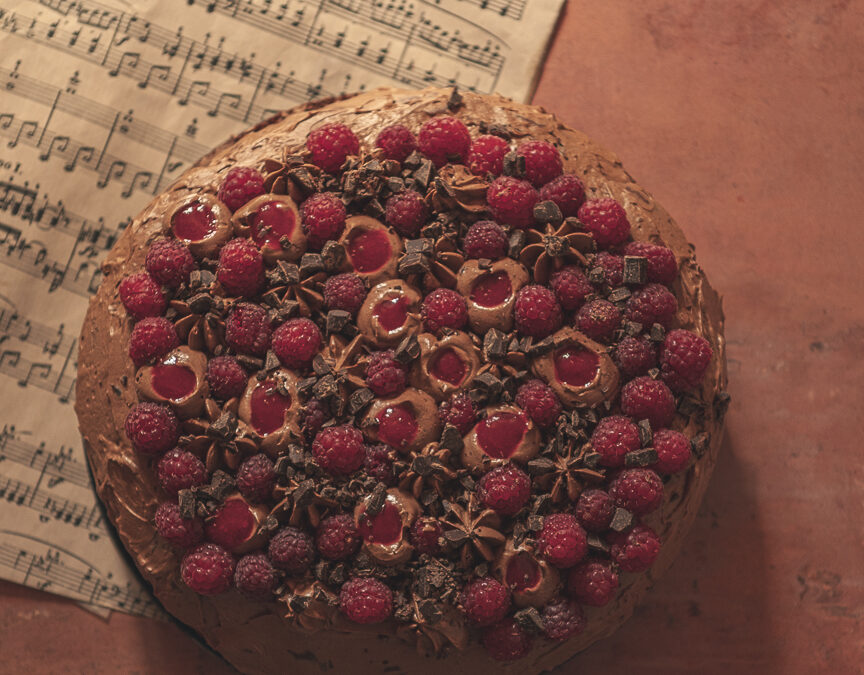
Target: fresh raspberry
x=337 y=537
x=571 y=287
x=173 y=528
x=673 y=451
x=640 y=491
x=542 y=161
x=506 y=641
x=378 y=463
x=459 y=411
x=151 y=339
x=660 y=263
x=247 y=329
x=562 y=619
x=365 y=600
x=426 y=534
x=612 y=266
x=344 y=291
x=504 y=489
x=592 y=582
x=540 y=402
x=241 y=268
x=598 y=319
x=652 y=304
x=444 y=139
x=566 y=191
x=485 y=239
x=323 y=217
x=444 y=308
x=644 y=398
x=169 y=262
x=291 y=550
x=255 y=577
x=635 y=356
x=384 y=374
x=595 y=509
x=606 y=220
x=562 y=541
x=142 y=296
x=226 y=377
x=180 y=470
x=636 y=549
x=487 y=155
x=240 y=185
x=538 y=313
x=315 y=413
x=396 y=142
x=614 y=437
x=153 y=429
x=485 y=601
x=256 y=477
x=296 y=342
x=406 y=212
x=512 y=201
x=684 y=359
x=207 y=569
x=330 y=145
x=339 y=450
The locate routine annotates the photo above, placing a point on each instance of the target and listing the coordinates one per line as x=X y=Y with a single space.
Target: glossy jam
x=522 y=572
x=397 y=426
x=273 y=221
x=172 y=381
x=448 y=365
x=384 y=528
x=391 y=313
x=194 y=222
x=491 y=290
x=231 y=525
x=500 y=434
x=576 y=366
x=369 y=250
x=268 y=408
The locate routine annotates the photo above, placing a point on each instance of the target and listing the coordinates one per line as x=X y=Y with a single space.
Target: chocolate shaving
x=529 y=619
x=534 y=523
x=622 y=519
x=540 y=465
x=657 y=333
x=635 y=270
x=376 y=500
x=359 y=400
x=619 y=294
x=451 y=439
x=645 y=433
x=640 y=458
x=186 y=500
x=515 y=244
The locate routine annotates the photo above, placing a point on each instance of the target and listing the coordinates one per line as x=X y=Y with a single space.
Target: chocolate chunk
x=540 y=465
x=529 y=619
x=282 y=465
x=374 y=209
x=296 y=454
x=333 y=255
x=640 y=458
x=592 y=460
x=700 y=443
x=336 y=321
x=325 y=387
x=413 y=263
x=395 y=184
x=622 y=519
x=201 y=279
x=689 y=405
x=303 y=179
x=408 y=350
x=422 y=245
x=305 y=386
x=494 y=344
x=186 y=500
x=635 y=269
x=271 y=361
x=545 y=346
x=376 y=500
x=657 y=334
x=645 y=433
x=221 y=485
x=534 y=523
x=455 y=100
x=423 y=174
x=632 y=328
x=224 y=428
x=548 y=213
x=597 y=544
x=413 y=160
x=597 y=275
x=359 y=400
x=284 y=274
x=514 y=165
x=498 y=130
x=619 y=294
x=451 y=439
x=311 y=263
x=320 y=366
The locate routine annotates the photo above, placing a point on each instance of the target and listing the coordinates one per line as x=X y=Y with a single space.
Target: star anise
x=198 y=321
x=292 y=294
x=427 y=468
x=472 y=528
x=550 y=250
x=564 y=475
x=215 y=439
x=301 y=499
x=431 y=264
x=340 y=369
x=433 y=626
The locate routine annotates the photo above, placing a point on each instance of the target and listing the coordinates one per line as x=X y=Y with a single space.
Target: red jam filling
x=500 y=434
x=576 y=366
x=448 y=366
x=194 y=222
x=397 y=426
x=491 y=290
x=273 y=221
x=172 y=381
x=391 y=313
x=369 y=250
x=268 y=408
x=231 y=525
x=384 y=528
x=522 y=572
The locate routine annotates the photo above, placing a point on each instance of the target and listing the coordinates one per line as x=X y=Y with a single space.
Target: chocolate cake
x=401 y=382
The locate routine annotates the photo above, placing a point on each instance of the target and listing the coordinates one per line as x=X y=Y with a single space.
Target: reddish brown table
x=746 y=120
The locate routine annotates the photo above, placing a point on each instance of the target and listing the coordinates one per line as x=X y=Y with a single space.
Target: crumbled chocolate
x=529 y=619
x=635 y=270
x=224 y=428
x=622 y=519
x=640 y=458
x=376 y=500
x=186 y=500
x=494 y=344
x=337 y=320
x=618 y=294
x=645 y=433
x=657 y=333
x=333 y=255
x=514 y=165
x=451 y=439
x=311 y=263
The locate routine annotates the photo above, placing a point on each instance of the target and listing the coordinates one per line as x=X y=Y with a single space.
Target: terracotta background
x=745 y=118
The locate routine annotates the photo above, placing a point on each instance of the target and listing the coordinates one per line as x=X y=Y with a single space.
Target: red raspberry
x=426 y=534
x=635 y=356
x=256 y=477
x=444 y=139
x=562 y=619
x=485 y=239
x=485 y=601
x=566 y=191
x=151 y=339
x=339 y=450
x=673 y=451
x=396 y=142
x=323 y=218
x=378 y=463
x=248 y=330
x=571 y=287
x=142 y=296
x=226 y=377
x=592 y=582
x=640 y=491
x=365 y=600
x=562 y=541
x=540 y=402
x=512 y=201
x=542 y=161
x=613 y=438
x=240 y=185
x=538 y=313
x=337 y=537
x=652 y=304
x=444 y=308
x=291 y=550
x=207 y=569
x=169 y=262
x=504 y=489
x=330 y=145
x=684 y=359
x=315 y=414
x=153 y=429
x=487 y=155
x=241 y=268
x=296 y=342
x=598 y=319
x=384 y=374
x=406 y=212
x=255 y=577
x=606 y=220
x=644 y=398
x=661 y=266
x=612 y=266
x=459 y=411
x=595 y=509
x=506 y=641
x=180 y=470
x=171 y=526
x=635 y=550
x=344 y=291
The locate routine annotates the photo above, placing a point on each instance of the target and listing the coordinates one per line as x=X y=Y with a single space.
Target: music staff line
x=47 y=506
x=512 y=9
x=40 y=374
x=58 y=466
x=17 y=327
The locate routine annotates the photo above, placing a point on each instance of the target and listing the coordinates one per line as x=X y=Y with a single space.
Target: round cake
x=401 y=381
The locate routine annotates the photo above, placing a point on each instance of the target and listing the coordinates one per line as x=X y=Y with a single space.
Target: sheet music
x=102 y=105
